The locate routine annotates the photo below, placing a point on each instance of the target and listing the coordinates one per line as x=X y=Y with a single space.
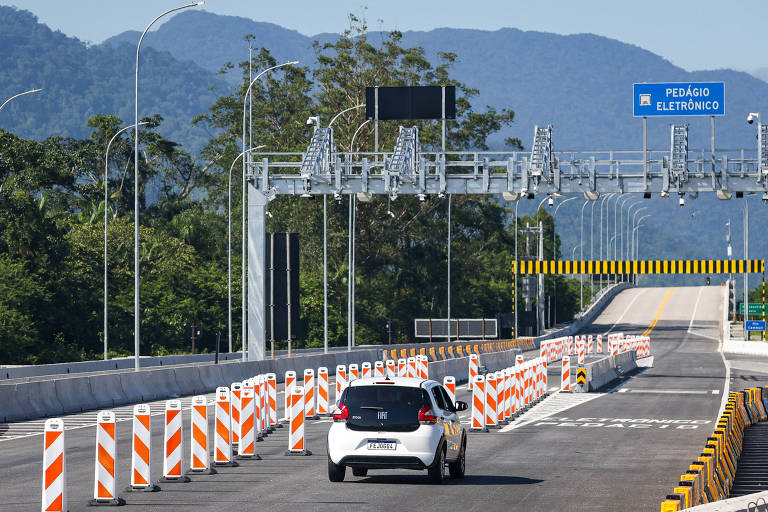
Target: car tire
x=436 y=472
x=336 y=471
x=457 y=468
x=360 y=471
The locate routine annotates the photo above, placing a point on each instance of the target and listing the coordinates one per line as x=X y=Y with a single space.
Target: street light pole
x=106 y=224
x=554 y=256
x=602 y=200
x=229 y=242
x=244 y=326
x=31 y=91
x=136 y=298
x=581 y=258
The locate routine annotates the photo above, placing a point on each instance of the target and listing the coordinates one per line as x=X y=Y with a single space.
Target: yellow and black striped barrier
x=640 y=267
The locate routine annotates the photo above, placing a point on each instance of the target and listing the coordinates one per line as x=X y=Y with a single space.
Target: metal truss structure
x=323 y=170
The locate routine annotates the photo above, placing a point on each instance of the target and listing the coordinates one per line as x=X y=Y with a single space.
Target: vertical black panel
x=278 y=251
x=293 y=257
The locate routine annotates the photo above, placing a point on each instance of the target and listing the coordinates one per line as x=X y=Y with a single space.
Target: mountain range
x=579 y=83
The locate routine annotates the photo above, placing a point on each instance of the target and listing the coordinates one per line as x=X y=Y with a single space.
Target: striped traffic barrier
x=296 y=442
x=105 y=474
x=309 y=393
x=261 y=382
x=509 y=399
x=423 y=366
x=354 y=372
x=599 y=343
x=402 y=368
x=565 y=375
x=449 y=383
x=247 y=447
x=235 y=391
x=141 y=451
x=471 y=370
x=365 y=369
x=590 y=344
x=199 y=460
x=528 y=375
x=172 y=449
x=222 y=440
x=581 y=350
x=272 y=400
x=391 y=368
x=519 y=384
x=253 y=382
x=412 y=371
x=500 y=394
x=54 y=497
x=570 y=345
x=378 y=369
x=290 y=381
x=478 y=404
x=341 y=380
x=322 y=390
x=491 y=395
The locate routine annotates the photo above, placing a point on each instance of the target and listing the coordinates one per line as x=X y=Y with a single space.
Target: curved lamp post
x=136 y=311
x=31 y=91
x=106 y=224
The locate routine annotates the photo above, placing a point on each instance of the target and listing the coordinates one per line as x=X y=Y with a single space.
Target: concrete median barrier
x=604 y=371
x=109 y=390
x=74 y=394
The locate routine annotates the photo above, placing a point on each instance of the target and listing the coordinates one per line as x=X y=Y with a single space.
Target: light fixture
x=551 y=201
x=682 y=200
x=364 y=197
x=591 y=195
x=269 y=214
x=510 y=196
x=422 y=197
x=337 y=197
x=723 y=195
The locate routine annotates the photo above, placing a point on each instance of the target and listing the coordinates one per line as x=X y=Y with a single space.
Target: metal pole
x=645 y=151
x=136 y=299
x=349 y=279
x=554 y=257
x=354 y=221
x=32 y=91
x=106 y=224
x=517 y=270
x=540 y=298
x=243 y=298
x=325 y=274
x=448 y=313
x=746 y=266
x=581 y=258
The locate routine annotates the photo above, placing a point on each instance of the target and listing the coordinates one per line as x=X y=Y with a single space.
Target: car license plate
x=382 y=445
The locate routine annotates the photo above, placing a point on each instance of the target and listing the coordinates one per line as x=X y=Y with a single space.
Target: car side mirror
x=461 y=406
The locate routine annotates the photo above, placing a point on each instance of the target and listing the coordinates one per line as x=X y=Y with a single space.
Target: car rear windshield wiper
x=372 y=407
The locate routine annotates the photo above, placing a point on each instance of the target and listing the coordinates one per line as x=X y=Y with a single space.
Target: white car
x=396 y=423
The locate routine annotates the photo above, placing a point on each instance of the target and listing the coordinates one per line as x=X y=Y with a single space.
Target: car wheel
x=436 y=472
x=458 y=467
x=336 y=471
x=360 y=471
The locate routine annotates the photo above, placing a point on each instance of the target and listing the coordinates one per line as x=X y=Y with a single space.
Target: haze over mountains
x=580 y=83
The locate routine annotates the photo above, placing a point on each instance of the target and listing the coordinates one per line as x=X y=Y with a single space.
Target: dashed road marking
x=553 y=404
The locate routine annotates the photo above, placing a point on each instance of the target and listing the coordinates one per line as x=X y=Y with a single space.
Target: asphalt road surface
x=618 y=450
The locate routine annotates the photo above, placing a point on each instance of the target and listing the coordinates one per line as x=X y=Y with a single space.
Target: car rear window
x=384 y=408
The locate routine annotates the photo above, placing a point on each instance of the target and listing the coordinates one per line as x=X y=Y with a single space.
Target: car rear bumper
x=383 y=462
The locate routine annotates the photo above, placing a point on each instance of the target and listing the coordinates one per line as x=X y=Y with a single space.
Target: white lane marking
x=553 y=389
x=665 y=391
x=715 y=391
x=623 y=390
x=629 y=306
x=553 y=404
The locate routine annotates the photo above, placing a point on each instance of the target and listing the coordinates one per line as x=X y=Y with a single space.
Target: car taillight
x=427 y=416
x=342 y=413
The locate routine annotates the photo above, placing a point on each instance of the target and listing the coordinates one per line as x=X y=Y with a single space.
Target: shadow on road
x=421 y=479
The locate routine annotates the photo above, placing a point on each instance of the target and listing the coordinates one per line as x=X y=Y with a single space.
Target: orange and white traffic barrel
x=509 y=393
x=105 y=477
x=341 y=380
x=449 y=383
x=570 y=346
x=141 y=450
x=257 y=410
x=500 y=393
x=378 y=369
x=172 y=449
x=472 y=370
x=391 y=368
x=491 y=418
x=290 y=381
x=54 y=496
x=272 y=399
x=222 y=440
x=590 y=344
x=519 y=383
x=247 y=447
x=599 y=343
x=309 y=393
x=581 y=349
x=412 y=370
x=234 y=396
x=402 y=368
x=354 y=372
x=296 y=441
x=322 y=390
x=565 y=376
x=199 y=460
x=478 y=403
x=261 y=419
x=366 y=370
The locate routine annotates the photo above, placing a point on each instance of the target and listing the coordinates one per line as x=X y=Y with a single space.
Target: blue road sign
x=678 y=99
x=754 y=325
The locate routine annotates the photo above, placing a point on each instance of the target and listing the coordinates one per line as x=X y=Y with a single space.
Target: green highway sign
x=755 y=308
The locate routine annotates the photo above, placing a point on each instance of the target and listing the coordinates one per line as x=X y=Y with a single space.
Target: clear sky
x=693 y=34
